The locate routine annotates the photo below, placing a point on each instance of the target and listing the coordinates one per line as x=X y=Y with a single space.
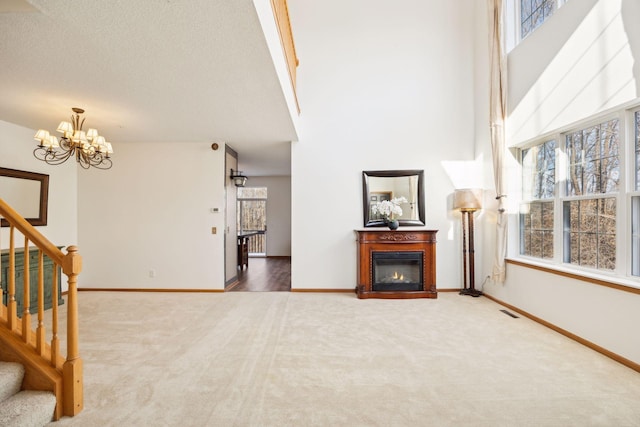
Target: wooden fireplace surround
x=402 y=240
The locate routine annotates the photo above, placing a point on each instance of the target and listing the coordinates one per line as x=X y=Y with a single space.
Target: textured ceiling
x=148 y=71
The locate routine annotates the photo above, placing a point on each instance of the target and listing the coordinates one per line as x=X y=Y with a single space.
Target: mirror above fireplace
x=27 y=193
x=378 y=186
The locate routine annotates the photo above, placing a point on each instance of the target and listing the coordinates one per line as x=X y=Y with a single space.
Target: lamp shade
x=53 y=142
x=42 y=136
x=79 y=136
x=98 y=141
x=65 y=128
x=92 y=134
x=469 y=199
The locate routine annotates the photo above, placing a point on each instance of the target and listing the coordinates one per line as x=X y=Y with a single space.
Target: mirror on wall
x=27 y=193
x=386 y=185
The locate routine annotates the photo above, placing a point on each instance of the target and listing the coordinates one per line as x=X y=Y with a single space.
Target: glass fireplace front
x=397 y=271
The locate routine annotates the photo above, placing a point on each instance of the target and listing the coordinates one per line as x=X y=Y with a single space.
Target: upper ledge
x=268 y=21
x=601 y=279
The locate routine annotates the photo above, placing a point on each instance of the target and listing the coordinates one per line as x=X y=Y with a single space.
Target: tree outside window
x=533 y=13
x=593 y=206
x=593 y=170
x=536 y=214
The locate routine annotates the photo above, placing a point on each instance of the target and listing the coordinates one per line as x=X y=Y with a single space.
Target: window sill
x=609 y=281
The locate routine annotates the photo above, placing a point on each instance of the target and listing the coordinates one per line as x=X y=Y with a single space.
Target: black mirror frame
x=44 y=194
x=366 y=203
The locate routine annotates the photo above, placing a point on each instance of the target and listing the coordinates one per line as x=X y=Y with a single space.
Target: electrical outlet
x=152 y=273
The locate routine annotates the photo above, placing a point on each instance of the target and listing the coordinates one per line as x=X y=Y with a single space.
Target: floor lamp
x=468 y=201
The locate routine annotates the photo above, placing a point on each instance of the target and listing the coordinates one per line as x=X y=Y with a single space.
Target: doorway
x=252 y=219
x=263 y=270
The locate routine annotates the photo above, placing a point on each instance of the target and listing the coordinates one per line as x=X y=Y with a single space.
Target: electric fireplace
x=396 y=264
x=397 y=271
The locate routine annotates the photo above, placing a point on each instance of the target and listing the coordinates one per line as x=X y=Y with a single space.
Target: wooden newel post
x=72 y=368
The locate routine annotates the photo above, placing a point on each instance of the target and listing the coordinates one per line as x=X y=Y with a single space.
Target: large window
x=593 y=170
x=576 y=205
x=536 y=212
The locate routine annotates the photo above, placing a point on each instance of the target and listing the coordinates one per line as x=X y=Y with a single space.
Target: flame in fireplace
x=397 y=276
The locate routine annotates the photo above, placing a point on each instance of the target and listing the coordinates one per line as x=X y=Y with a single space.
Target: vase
x=393 y=224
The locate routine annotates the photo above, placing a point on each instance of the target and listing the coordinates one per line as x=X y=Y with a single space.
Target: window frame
x=622 y=274
x=513 y=21
x=633 y=180
x=532 y=200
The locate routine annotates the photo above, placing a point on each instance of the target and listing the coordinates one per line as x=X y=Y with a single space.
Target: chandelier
x=89 y=148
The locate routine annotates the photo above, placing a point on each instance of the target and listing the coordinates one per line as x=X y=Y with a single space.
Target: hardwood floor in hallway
x=265 y=275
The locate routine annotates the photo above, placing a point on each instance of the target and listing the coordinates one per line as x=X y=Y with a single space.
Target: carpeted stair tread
x=11 y=375
x=27 y=408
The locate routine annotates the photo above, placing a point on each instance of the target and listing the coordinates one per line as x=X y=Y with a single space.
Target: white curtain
x=497 y=115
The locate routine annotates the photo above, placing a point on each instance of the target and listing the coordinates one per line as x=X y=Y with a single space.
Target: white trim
x=513 y=22
x=623 y=244
x=558 y=217
x=631 y=176
x=579 y=124
x=620 y=249
x=626 y=189
x=631 y=282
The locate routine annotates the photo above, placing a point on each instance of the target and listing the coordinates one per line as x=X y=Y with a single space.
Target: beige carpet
x=300 y=359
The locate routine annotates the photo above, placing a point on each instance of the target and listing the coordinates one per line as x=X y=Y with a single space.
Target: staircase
x=43 y=370
x=26 y=408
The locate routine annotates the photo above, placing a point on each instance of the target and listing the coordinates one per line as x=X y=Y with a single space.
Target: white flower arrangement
x=389 y=208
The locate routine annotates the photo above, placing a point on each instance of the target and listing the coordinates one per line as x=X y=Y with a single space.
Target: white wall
x=380 y=87
x=16 y=148
x=151 y=211
x=582 y=61
x=278 y=212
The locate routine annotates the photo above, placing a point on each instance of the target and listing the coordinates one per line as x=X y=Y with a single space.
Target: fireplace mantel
x=417 y=243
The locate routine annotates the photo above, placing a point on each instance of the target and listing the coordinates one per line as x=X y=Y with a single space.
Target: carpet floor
x=329 y=359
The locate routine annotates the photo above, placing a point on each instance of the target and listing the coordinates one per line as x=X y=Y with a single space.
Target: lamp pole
x=468 y=201
x=469 y=252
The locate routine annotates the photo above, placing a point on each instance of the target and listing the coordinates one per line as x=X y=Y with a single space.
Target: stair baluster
x=46 y=366
x=26 y=288
x=55 y=341
x=13 y=305
x=40 y=330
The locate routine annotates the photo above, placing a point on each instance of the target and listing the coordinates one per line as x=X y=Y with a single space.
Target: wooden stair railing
x=45 y=366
